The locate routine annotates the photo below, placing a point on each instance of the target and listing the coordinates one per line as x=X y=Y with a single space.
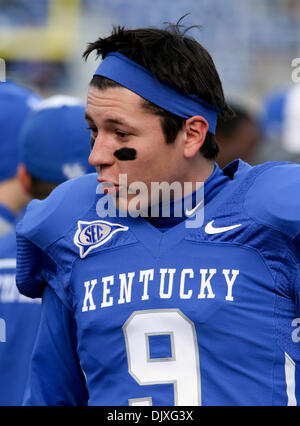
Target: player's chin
x=131 y=205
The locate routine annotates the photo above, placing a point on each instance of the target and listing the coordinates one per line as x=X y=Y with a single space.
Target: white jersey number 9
x=182 y=368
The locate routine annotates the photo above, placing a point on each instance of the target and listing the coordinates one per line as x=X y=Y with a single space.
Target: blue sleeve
x=274 y=199
x=56 y=378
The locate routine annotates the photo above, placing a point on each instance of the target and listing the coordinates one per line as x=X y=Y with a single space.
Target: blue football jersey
x=189 y=316
x=20 y=317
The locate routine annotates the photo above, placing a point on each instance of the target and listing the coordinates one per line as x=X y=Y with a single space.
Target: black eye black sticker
x=125 y=154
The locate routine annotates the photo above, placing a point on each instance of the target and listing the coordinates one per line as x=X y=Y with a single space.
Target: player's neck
x=13 y=196
x=198 y=172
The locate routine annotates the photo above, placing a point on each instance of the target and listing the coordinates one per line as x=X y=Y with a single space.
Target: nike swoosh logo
x=190 y=213
x=210 y=229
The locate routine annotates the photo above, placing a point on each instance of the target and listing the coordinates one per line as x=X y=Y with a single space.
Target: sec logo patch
x=91 y=235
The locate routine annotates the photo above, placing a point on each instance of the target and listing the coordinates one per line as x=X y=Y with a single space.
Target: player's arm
x=56 y=377
x=274 y=201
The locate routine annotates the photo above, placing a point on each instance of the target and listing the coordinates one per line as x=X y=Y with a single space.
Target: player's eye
x=122 y=135
x=93 y=129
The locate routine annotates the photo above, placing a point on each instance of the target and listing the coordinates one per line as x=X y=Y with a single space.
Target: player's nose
x=101 y=154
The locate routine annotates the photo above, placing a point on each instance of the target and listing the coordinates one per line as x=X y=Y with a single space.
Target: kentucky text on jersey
x=126 y=285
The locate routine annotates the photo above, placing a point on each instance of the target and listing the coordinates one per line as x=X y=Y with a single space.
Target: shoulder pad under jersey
x=274 y=198
x=46 y=221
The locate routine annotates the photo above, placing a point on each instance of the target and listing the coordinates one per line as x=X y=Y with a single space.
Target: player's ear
x=196 y=130
x=24 y=178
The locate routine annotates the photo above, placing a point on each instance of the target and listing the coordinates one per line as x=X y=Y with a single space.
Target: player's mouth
x=108 y=186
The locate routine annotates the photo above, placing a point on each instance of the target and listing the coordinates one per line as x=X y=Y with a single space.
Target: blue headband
x=139 y=80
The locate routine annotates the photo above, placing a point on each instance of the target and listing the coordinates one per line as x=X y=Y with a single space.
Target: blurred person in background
x=54 y=147
x=280 y=125
x=237 y=137
x=15 y=104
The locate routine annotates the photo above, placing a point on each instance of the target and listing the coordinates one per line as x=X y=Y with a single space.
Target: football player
x=145 y=309
x=54 y=147
x=15 y=104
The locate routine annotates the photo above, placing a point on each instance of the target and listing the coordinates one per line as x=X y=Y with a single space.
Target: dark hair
x=40 y=189
x=227 y=128
x=175 y=59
